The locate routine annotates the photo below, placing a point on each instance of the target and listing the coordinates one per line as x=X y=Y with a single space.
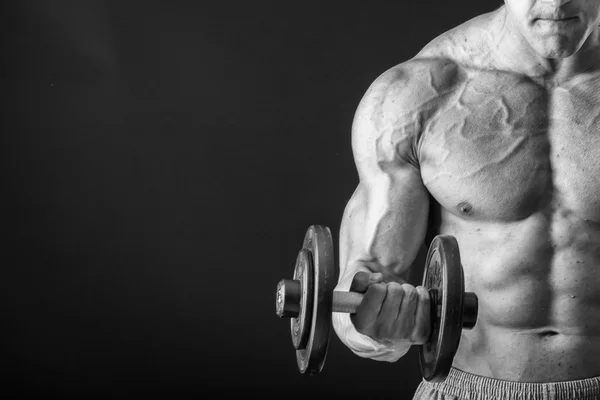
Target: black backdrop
x=163 y=161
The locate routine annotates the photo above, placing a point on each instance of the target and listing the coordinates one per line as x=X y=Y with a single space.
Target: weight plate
x=444 y=279
x=319 y=243
x=300 y=326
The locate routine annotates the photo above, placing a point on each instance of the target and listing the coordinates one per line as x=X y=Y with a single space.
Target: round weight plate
x=319 y=243
x=444 y=279
x=300 y=326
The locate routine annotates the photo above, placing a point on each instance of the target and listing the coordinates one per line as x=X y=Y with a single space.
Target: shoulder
x=410 y=82
x=411 y=87
x=435 y=68
x=416 y=86
x=391 y=114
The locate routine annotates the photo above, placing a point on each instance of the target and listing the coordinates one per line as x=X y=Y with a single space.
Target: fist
x=396 y=312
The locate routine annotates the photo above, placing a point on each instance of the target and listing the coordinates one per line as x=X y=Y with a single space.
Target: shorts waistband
x=466 y=385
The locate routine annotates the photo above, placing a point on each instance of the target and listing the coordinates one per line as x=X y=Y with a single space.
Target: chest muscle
x=501 y=148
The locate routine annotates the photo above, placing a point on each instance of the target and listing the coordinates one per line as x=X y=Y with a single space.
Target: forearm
x=377 y=240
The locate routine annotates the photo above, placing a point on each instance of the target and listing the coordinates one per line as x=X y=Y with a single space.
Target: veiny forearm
x=376 y=237
x=382 y=231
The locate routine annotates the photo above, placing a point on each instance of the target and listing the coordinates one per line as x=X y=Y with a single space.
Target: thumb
x=362 y=280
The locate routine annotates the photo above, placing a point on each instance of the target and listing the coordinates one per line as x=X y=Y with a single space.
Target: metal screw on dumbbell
x=308 y=299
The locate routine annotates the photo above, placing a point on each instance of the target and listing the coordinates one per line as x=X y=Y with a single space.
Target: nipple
x=465 y=208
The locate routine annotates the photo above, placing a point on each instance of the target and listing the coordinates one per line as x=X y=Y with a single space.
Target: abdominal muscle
x=539 y=307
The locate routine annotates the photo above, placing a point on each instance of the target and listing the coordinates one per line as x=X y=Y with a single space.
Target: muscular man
x=490 y=134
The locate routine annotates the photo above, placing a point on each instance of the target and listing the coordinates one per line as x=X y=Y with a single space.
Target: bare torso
x=457 y=141
x=512 y=165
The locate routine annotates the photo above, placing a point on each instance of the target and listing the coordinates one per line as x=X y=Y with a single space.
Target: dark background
x=164 y=160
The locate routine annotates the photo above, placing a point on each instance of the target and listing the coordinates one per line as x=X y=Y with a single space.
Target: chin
x=557 y=47
x=555 y=41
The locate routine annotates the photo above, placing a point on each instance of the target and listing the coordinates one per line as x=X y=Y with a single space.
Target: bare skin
x=493 y=137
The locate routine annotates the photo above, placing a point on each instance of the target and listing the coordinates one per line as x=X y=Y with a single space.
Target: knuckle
x=394 y=288
x=377 y=288
x=408 y=288
x=410 y=292
x=423 y=295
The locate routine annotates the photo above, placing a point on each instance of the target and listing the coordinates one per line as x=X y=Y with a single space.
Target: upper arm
x=385 y=221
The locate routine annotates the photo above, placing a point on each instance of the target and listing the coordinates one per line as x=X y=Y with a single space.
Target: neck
x=514 y=53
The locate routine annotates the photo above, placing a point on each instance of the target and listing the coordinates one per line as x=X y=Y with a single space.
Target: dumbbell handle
x=289 y=295
x=346 y=302
x=288 y=302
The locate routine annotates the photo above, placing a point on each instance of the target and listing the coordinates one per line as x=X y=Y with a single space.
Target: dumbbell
x=309 y=298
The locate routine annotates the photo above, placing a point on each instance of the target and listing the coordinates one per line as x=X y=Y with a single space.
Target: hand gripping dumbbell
x=309 y=298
